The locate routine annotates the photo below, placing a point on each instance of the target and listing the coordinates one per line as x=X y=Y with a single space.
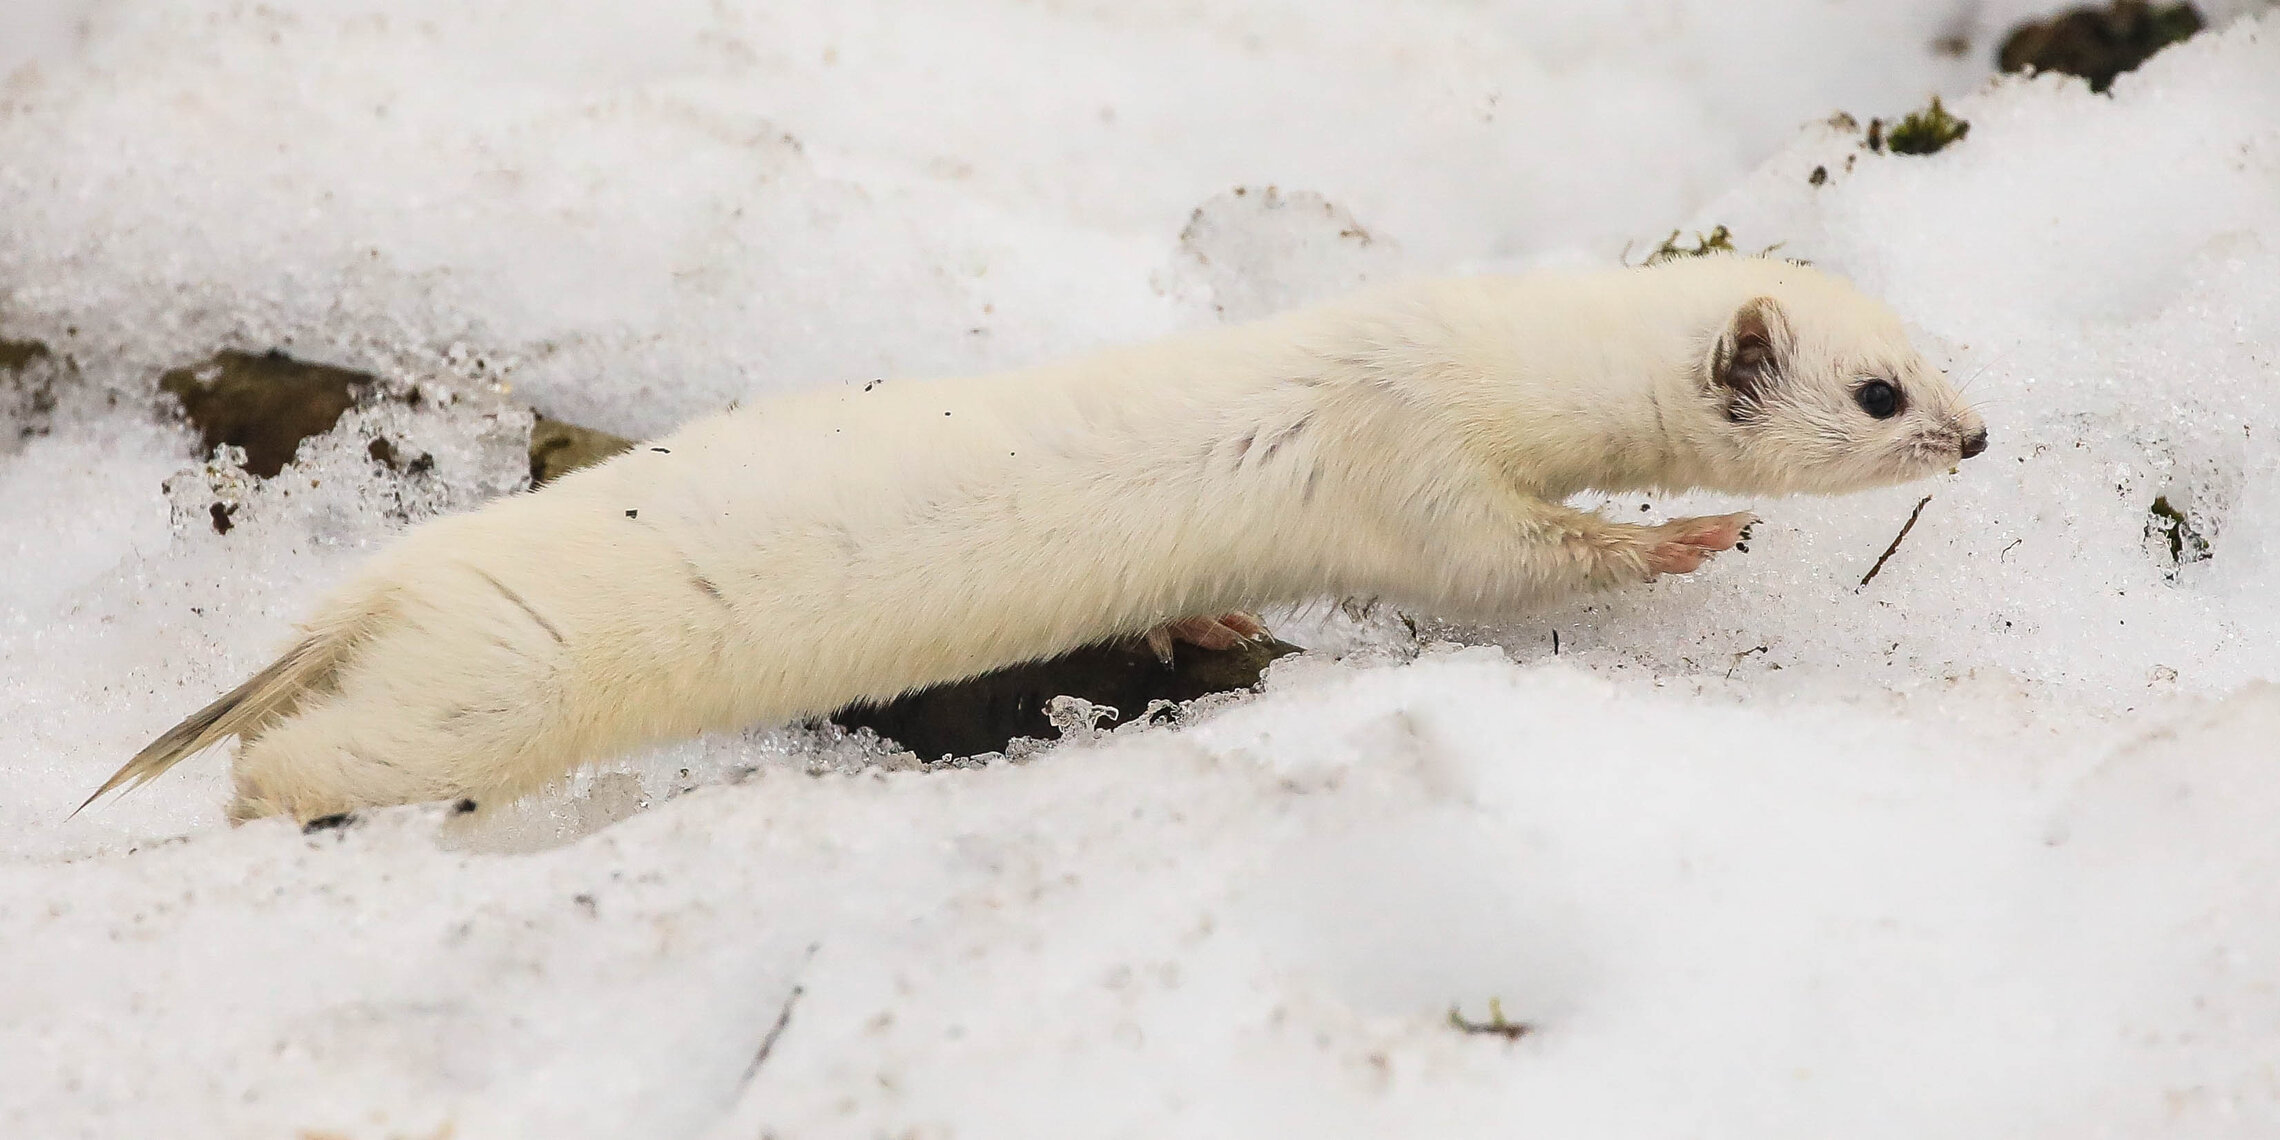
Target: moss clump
x=1923 y=132
x=2098 y=43
x=1718 y=240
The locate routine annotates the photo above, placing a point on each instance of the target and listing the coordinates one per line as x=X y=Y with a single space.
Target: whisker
x=1984 y=365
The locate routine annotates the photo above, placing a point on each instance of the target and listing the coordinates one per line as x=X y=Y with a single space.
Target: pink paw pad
x=1688 y=543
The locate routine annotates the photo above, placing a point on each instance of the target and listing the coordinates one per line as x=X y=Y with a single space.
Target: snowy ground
x=1982 y=849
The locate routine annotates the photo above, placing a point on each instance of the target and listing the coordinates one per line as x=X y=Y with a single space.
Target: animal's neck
x=1561 y=383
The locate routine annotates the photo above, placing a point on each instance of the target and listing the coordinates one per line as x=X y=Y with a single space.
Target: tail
x=271 y=695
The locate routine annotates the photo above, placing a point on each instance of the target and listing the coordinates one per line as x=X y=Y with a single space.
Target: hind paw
x=1223 y=631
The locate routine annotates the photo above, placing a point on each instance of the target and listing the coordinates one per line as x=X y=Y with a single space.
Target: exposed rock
x=2098 y=43
x=986 y=713
x=2177 y=538
x=28 y=376
x=265 y=404
x=15 y=355
x=558 y=448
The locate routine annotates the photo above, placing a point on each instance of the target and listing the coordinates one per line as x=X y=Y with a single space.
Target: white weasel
x=797 y=555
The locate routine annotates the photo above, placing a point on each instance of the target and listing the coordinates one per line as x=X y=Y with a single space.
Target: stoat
x=794 y=556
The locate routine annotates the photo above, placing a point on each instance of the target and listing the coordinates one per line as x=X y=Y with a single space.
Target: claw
x=1224 y=631
x=1246 y=624
x=1160 y=640
x=1688 y=543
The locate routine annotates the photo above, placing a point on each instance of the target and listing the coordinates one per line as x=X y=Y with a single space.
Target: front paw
x=1681 y=546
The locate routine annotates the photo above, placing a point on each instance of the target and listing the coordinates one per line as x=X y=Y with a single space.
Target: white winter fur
x=790 y=557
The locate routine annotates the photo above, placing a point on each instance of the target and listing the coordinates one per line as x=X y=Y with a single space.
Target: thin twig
x=768 y=1043
x=1738 y=659
x=1905 y=527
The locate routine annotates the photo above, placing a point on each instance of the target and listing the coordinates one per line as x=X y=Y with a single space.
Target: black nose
x=1975 y=443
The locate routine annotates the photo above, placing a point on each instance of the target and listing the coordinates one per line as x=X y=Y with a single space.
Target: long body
x=794 y=556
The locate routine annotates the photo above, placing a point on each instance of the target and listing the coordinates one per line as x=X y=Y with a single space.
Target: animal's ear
x=1751 y=353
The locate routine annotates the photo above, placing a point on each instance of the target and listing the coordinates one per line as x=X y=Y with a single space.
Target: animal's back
x=782 y=560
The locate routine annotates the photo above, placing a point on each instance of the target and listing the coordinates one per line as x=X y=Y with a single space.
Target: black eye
x=1878 y=399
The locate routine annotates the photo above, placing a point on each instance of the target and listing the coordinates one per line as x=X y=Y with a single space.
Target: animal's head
x=1823 y=393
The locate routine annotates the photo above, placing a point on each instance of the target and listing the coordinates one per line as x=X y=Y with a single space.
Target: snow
x=1977 y=849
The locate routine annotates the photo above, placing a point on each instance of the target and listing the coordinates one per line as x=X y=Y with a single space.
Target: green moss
x=1925 y=132
x=1718 y=240
x=1496 y=1025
